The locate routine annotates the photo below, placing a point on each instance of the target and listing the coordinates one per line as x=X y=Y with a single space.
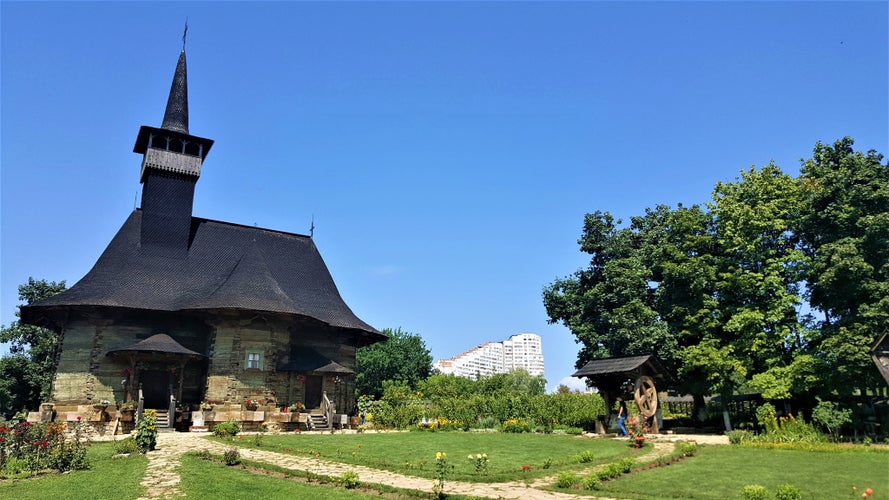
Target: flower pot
x=127 y=415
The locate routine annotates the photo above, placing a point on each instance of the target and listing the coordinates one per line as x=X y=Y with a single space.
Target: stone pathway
x=162 y=478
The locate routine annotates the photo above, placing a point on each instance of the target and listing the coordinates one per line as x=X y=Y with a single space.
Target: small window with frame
x=253 y=361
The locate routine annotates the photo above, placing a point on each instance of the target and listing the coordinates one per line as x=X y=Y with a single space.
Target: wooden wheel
x=646 y=396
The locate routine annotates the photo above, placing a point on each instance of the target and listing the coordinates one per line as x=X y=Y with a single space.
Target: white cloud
x=573 y=383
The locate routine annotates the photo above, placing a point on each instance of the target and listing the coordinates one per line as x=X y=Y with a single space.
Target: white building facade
x=524 y=351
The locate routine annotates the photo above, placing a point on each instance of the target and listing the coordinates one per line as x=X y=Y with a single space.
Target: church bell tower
x=171 y=165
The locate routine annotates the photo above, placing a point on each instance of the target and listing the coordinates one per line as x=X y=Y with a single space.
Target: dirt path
x=162 y=477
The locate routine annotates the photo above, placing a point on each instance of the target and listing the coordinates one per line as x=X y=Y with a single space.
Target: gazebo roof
x=628 y=366
x=157 y=344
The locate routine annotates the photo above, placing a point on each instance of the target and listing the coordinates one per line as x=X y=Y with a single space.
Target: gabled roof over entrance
x=303 y=359
x=156 y=344
x=226 y=267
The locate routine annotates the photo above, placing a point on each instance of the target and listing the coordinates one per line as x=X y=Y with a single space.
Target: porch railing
x=141 y=406
x=171 y=416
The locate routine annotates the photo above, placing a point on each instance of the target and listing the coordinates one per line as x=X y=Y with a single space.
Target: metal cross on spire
x=184 y=32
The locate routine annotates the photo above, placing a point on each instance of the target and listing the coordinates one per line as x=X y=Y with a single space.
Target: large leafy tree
x=403 y=357
x=845 y=231
x=27 y=373
x=720 y=292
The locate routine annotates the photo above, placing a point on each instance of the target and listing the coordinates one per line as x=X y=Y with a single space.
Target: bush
x=567 y=480
x=828 y=415
x=231 y=456
x=788 y=492
x=127 y=445
x=626 y=465
x=349 y=479
x=591 y=482
x=739 y=436
x=26 y=446
x=755 y=492
x=228 y=429
x=516 y=425
x=146 y=431
x=585 y=457
x=689 y=449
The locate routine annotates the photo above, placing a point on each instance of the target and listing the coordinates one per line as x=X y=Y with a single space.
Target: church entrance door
x=155 y=388
x=313 y=391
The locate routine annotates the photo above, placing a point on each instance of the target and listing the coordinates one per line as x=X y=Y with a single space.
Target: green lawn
x=722 y=472
x=203 y=479
x=413 y=453
x=107 y=478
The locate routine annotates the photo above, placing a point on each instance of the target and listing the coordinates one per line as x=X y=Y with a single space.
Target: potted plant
x=127 y=410
x=101 y=405
x=297 y=407
x=251 y=404
x=207 y=406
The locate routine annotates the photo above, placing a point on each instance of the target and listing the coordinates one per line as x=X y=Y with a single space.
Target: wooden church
x=184 y=309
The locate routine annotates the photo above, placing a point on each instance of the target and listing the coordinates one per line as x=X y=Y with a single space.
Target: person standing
x=621 y=417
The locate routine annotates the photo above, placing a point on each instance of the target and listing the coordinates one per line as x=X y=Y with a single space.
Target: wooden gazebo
x=626 y=376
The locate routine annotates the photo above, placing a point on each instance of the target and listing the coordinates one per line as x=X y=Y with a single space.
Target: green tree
x=845 y=229
x=403 y=357
x=515 y=382
x=441 y=386
x=34 y=353
x=719 y=292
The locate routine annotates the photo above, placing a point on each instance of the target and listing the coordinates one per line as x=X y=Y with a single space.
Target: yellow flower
x=470 y=456
x=438 y=455
x=478 y=456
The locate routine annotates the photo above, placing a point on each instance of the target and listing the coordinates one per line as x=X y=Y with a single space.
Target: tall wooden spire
x=171 y=166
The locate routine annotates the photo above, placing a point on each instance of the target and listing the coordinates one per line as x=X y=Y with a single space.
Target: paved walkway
x=162 y=478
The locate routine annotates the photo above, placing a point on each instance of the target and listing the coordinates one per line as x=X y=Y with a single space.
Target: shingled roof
x=621 y=366
x=160 y=343
x=227 y=267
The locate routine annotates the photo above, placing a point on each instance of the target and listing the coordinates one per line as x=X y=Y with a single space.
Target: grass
x=413 y=453
x=205 y=479
x=107 y=478
x=722 y=471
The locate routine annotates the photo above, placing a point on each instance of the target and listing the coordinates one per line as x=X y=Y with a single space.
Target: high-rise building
x=524 y=351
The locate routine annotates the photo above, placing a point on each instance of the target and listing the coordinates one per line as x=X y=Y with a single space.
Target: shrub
x=689 y=448
x=487 y=423
x=231 y=456
x=613 y=470
x=227 y=429
x=754 y=492
x=127 y=445
x=739 y=436
x=626 y=464
x=828 y=415
x=591 y=482
x=788 y=492
x=516 y=425
x=567 y=480
x=585 y=457
x=349 y=479
x=146 y=431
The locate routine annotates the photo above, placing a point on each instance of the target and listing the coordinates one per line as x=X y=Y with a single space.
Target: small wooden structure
x=623 y=376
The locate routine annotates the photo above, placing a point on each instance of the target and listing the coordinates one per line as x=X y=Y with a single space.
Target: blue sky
x=447 y=151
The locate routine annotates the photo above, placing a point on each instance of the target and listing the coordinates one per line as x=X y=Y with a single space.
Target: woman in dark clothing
x=621 y=416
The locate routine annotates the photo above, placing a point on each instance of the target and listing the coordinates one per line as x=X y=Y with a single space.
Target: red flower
x=526 y=468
